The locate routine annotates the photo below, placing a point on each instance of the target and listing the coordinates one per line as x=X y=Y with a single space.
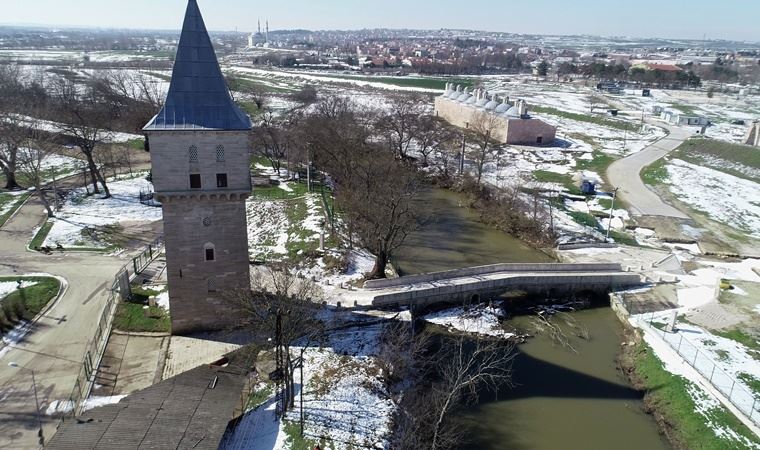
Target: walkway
x=625 y=174
x=55 y=345
x=457 y=286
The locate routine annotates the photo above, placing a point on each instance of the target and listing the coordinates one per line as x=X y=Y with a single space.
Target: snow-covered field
x=345 y=400
x=9 y=287
x=82 y=216
x=725 y=198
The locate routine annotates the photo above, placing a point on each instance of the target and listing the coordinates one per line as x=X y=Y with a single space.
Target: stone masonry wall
x=509 y=130
x=197 y=219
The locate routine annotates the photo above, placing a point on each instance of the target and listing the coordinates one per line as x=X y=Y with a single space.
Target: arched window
x=209 y=252
x=211 y=284
x=219 y=153
x=192 y=154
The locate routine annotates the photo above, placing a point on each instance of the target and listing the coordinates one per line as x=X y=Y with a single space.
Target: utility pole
x=40 y=435
x=461 y=154
x=609 y=221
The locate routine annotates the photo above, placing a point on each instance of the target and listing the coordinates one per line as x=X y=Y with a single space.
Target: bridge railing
x=493 y=268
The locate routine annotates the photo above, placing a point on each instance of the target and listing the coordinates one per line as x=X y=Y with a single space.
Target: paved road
x=55 y=346
x=625 y=174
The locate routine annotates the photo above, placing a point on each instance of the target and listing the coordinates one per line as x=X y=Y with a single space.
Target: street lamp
x=612 y=209
x=36 y=399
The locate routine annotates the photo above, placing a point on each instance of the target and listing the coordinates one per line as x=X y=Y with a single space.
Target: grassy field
x=131 y=316
x=668 y=394
x=410 y=82
x=723 y=156
x=655 y=173
x=545 y=176
x=13 y=202
x=26 y=303
x=41 y=235
x=598 y=120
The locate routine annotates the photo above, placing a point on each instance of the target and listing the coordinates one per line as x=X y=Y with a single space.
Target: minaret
x=201 y=175
x=266 y=36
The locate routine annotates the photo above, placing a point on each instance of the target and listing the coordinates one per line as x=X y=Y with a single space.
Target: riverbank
x=686 y=415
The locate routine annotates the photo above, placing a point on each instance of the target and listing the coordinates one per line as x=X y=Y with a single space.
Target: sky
x=695 y=19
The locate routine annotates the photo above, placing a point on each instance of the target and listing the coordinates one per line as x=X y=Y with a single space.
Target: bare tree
x=87 y=124
x=274 y=138
x=12 y=135
x=37 y=148
x=378 y=203
x=399 y=125
x=12 y=132
x=284 y=307
x=482 y=129
x=432 y=132
x=462 y=369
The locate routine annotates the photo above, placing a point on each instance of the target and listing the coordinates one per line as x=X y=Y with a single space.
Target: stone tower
x=201 y=175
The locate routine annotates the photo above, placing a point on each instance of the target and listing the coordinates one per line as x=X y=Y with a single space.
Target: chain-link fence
x=737 y=394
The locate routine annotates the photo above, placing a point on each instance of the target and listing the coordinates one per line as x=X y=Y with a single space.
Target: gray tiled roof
x=190 y=410
x=198 y=95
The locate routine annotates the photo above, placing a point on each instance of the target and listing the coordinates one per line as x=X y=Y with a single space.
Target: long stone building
x=201 y=175
x=513 y=125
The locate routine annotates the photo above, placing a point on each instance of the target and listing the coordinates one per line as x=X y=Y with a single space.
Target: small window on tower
x=221 y=180
x=220 y=153
x=195 y=181
x=209 y=251
x=192 y=154
x=211 y=285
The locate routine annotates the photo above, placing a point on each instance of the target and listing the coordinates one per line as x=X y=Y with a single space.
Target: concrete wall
x=508 y=130
x=492 y=268
x=532 y=284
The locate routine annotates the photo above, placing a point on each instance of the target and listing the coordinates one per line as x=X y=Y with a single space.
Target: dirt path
x=625 y=175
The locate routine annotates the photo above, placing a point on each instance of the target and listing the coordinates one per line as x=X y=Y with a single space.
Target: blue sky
x=717 y=19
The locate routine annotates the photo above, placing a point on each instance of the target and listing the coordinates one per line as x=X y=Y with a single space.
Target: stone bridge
x=474 y=283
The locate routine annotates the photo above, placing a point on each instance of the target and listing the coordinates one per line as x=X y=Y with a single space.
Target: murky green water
x=453 y=238
x=561 y=399
x=564 y=400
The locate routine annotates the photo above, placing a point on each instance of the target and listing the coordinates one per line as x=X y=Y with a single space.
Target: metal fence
x=141 y=261
x=737 y=394
x=97 y=346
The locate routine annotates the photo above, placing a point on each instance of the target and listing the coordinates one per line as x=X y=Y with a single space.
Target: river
x=560 y=399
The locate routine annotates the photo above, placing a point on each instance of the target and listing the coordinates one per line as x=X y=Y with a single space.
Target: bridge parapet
x=492 y=268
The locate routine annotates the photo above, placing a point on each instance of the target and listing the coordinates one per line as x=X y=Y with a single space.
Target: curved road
x=625 y=174
x=55 y=346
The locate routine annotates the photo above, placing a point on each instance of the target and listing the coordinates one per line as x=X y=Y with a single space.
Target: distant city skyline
x=727 y=19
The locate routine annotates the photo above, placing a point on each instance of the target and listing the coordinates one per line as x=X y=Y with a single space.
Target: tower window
x=221 y=180
x=219 y=153
x=211 y=285
x=195 y=181
x=209 y=252
x=192 y=154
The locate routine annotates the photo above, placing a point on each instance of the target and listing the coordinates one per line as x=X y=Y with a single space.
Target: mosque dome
x=502 y=108
x=491 y=105
x=513 y=112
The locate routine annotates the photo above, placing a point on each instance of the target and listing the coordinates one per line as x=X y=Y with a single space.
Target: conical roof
x=198 y=96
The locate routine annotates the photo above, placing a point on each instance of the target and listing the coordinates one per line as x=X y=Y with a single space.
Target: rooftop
x=198 y=97
x=190 y=410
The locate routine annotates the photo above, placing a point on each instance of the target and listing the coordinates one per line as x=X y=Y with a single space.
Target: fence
x=141 y=261
x=737 y=394
x=97 y=346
